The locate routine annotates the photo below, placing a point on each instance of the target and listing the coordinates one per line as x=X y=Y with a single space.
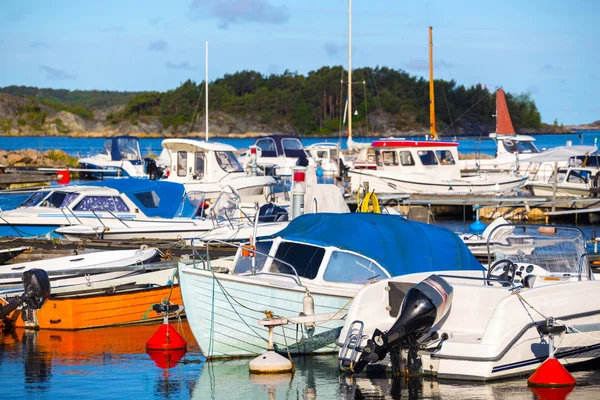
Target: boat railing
x=62 y=209
x=589 y=268
x=116 y=217
x=483 y=279
x=295 y=277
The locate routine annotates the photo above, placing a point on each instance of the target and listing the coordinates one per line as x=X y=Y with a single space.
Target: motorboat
x=110 y=203
x=61 y=270
x=322 y=259
x=120 y=156
x=226 y=219
x=519 y=152
x=411 y=166
x=327 y=156
x=209 y=167
x=537 y=290
x=277 y=154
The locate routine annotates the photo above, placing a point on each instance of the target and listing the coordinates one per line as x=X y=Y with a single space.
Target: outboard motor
x=272 y=213
x=302 y=161
x=424 y=305
x=36 y=285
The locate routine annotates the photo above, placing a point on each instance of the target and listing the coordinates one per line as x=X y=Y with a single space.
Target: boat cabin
x=411 y=156
x=514 y=144
x=327 y=156
x=199 y=161
x=280 y=152
x=310 y=250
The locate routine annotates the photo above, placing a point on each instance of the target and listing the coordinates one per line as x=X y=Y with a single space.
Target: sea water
x=112 y=363
x=84 y=147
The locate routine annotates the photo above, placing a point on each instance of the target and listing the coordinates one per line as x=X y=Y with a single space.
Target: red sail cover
x=504 y=125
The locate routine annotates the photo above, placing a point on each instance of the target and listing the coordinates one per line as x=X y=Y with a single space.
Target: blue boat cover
x=153 y=198
x=397 y=244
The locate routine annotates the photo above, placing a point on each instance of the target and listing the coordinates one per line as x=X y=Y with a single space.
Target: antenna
x=206 y=92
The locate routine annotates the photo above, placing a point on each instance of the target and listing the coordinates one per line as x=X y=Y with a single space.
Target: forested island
x=386 y=102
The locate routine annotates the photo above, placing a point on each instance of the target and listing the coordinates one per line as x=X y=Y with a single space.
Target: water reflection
x=113 y=362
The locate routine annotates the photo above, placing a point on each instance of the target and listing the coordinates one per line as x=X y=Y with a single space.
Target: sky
x=548 y=48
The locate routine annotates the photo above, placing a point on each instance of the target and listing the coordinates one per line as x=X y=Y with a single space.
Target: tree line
x=312 y=104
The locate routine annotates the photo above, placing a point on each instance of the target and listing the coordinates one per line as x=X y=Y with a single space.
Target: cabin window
x=527 y=147
x=304 y=258
x=34 y=199
x=322 y=154
x=580 y=176
x=181 y=163
x=562 y=173
x=267 y=147
x=58 y=199
x=148 y=199
x=406 y=158
x=445 y=157
x=378 y=158
x=389 y=157
x=101 y=203
x=244 y=264
x=427 y=157
x=199 y=165
x=292 y=147
x=351 y=268
x=228 y=162
x=333 y=153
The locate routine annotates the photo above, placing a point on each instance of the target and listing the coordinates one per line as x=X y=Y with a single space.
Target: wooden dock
x=14 y=179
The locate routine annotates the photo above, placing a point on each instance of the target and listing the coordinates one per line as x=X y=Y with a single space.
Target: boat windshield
x=228 y=162
x=226 y=207
x=556 y=249
x=190 y=206
x=244 y=264
x=292 y=147
x=305 y=259
x=513 y=146
x=35 y=198
x=123 y=148
x=59 y=199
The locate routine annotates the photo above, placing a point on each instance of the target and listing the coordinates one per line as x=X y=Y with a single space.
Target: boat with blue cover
x=120 y=156
x=110 y=203
x=323 y=259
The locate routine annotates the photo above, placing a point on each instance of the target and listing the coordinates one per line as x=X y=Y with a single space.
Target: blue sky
x=547 y=48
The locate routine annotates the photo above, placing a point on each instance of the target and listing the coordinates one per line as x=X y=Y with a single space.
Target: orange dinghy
x=119 y=304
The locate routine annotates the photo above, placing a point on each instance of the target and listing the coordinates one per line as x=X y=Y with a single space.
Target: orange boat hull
x=99 y=310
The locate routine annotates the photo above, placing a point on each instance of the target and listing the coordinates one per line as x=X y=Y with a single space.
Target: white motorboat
x=482 y=326
x=570 y=181
x=324 y=258
x=60 y=269
x=519 y=152
x=409 y=166
x=209 y=167
x=327 y=156
x=109 y=203
x=120 y=156
x=277 y=154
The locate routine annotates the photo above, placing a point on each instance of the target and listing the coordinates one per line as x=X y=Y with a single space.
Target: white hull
x=562 y=190
x=77 y=264
x=423 y=183
x=223 y=328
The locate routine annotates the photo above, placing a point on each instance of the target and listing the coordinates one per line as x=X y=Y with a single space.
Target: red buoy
x=552 y=393
x=63 y=177
x=166 y=338
x=551 y=374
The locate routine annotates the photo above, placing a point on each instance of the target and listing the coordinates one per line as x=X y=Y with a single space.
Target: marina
x=339 y=210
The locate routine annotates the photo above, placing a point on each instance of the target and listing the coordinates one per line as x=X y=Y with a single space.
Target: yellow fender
x=365 y=207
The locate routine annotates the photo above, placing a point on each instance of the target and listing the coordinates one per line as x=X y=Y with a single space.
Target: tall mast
x=349 y=69
x=206 y=93
x=432 y=128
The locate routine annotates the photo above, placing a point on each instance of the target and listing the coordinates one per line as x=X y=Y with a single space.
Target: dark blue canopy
x=279 y=149
x=153 y=198
x=399 y=245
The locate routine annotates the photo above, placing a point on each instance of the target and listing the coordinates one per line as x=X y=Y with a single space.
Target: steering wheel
x=504 y=270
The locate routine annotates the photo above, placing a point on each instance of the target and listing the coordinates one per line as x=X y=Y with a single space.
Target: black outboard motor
x=272 y=213
x=36 y=286
x=424 y=305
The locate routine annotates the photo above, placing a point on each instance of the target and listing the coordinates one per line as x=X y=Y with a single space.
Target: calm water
x=87 y=146
x=112 y=363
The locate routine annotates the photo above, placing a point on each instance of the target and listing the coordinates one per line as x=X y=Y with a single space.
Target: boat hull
x=225 y=329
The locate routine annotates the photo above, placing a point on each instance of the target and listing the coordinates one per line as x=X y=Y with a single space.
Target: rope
x=288 y=349
x=364 y=205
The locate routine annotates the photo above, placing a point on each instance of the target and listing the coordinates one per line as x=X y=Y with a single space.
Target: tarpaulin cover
x=397 y=244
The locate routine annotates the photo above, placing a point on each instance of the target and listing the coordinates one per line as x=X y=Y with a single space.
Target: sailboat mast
x=349 y=69
x=432 y=128
x=206 y=94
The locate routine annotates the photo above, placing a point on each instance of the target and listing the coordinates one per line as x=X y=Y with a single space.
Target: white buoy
x=270 y=362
